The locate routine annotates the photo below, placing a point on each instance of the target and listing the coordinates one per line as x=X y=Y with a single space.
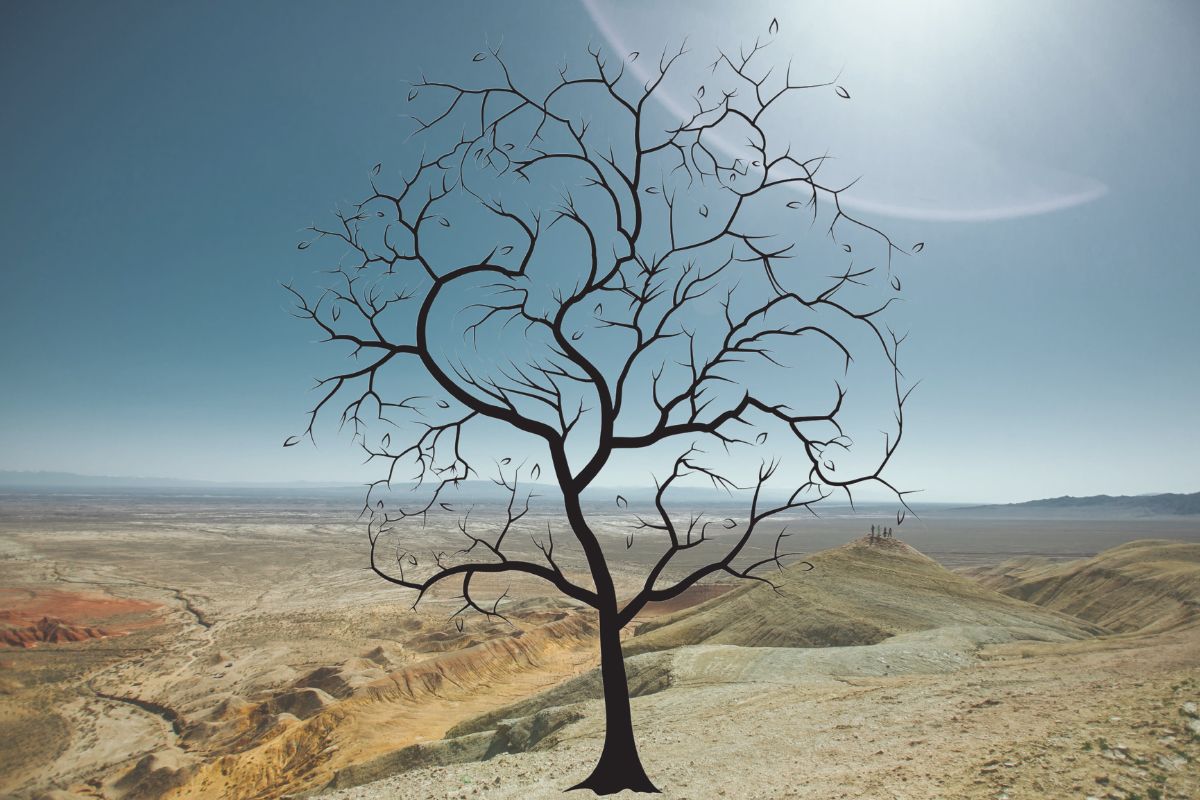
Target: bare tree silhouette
x=582 y=267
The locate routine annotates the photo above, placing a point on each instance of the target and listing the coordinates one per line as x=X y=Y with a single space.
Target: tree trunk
x=619 y=767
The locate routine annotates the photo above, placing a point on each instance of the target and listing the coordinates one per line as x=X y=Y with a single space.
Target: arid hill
x=868 y=608
x=47 y=629
x=860 y=593
x=1143 y=586
x=32 y=618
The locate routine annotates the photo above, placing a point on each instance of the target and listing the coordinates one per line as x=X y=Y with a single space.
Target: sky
x=162 y=160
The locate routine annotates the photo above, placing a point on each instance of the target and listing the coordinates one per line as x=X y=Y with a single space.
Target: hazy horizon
x=61 y=479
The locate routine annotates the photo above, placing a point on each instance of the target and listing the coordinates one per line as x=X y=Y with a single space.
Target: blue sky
x=161 y=160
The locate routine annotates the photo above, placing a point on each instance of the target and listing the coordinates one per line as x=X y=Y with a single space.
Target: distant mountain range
x=1102 y=504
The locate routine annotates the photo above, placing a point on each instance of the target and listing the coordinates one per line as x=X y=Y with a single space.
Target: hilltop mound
x=1145 y=586
x=857 y=594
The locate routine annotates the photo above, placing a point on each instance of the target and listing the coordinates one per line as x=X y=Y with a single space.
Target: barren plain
x=184 y=645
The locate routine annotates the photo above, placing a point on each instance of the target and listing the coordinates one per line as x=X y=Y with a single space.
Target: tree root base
x=612 y=784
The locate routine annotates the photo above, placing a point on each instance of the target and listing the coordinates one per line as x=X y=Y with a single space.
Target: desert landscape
x=231 y=644
x=512 y=401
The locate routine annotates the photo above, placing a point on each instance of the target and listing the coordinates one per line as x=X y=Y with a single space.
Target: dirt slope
x=857 y=594
x=345 y=714
x=962 y=709
x=1144 y=586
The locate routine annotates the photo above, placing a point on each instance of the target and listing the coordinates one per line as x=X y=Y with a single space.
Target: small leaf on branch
x=576 y=336
x=599 y=309
x=794 y=204
x=537 y=472
x=622 y=502
x=291 y=440
x=446 y=506
x=842 y=93
x=918 y=247
x=829 y=465
x=337 y=313
x=478 y=57
x=651 y=190
x=730 y=524
x=375 y=169
x=412 y=94
x=700 y=92
x=634 y=55
x=506 y=461
x=442 y=404
x=896 y=283
x=445 y=223
x=761 y=438
x=506 y=249
x=303 y=245
x=704 y=211
x=773 y=28
x=387 y=440
x=846 y=247
x=900 y=517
